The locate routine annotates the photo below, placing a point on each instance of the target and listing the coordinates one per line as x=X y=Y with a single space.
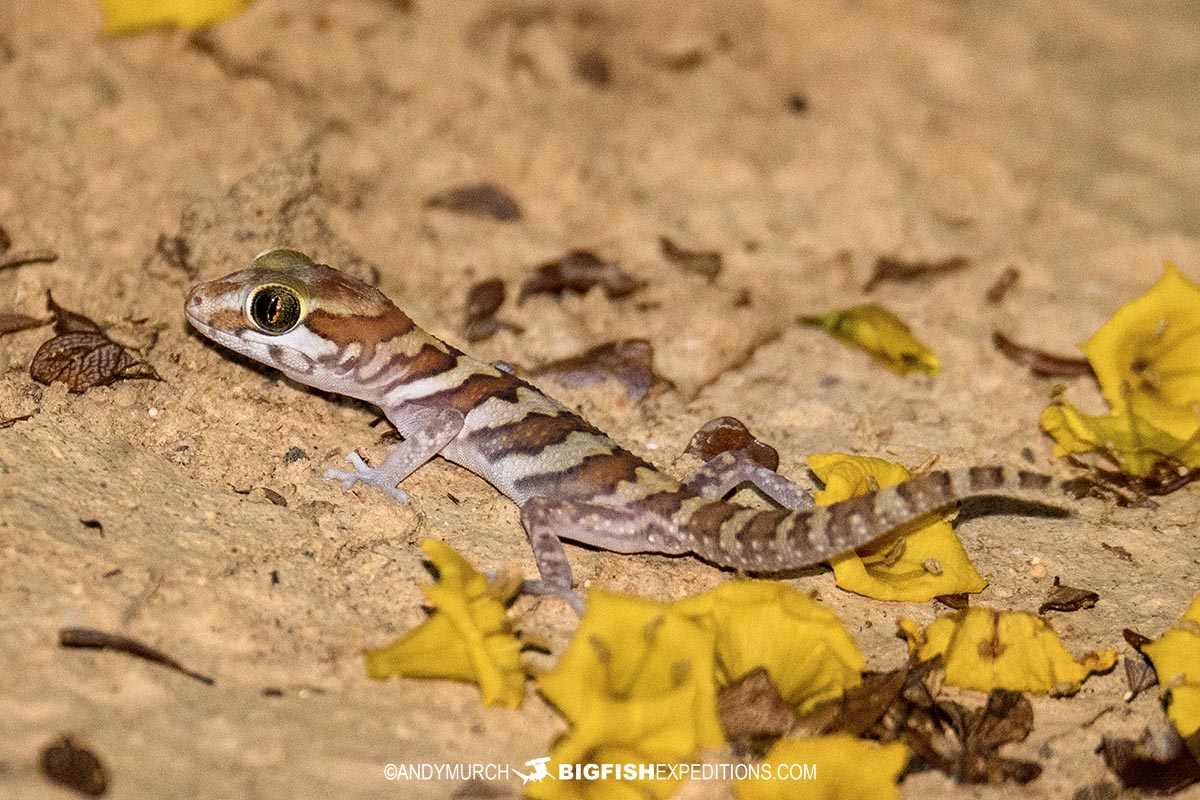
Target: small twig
x=92 y=639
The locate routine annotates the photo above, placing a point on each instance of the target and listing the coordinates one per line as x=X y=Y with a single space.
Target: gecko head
x=313 y=323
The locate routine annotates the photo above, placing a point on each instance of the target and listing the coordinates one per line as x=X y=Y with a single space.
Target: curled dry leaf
x=68 y=763
x=942 y=734
x=701 y=262
x=1067 y=598
x=483 y=301
x=753 y=713
x=578 y=271
x=81 y=356
x=1155 y=767
x=628 y=361
x=478 y=199
x=725 y=434
x=92 y=639
x=1139 y=675
x=888 y=268
x=11 y=323
x=1041 y=363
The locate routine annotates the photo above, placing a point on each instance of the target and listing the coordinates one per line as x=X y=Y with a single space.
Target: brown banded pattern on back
x=529 y=435
x=594 y=476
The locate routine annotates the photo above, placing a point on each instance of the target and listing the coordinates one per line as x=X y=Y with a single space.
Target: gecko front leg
x=726 y=471
x=426 y=431
x=619 y=529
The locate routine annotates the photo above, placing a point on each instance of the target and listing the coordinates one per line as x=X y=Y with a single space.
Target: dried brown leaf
x=725 y=434
x=579 y=271
x=1118 y=551
x=888 y=268
x=68 y=763
x=1003 y=285
x=1067 y=598
x=1135 y=640
x=92 y=639
x=66 y=321
x=81 y=356
x=944 y=735
x=1139 y=675
x=1041 y=363
x=84 y=360
x=957 y=601
x=11 y=322
x=753 y=713
x=1152 y=772
x=628 y=361
x=863 y=707
x=701 y=262
x=478 y=199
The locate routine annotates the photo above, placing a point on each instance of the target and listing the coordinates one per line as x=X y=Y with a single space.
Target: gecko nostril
x=195 y=300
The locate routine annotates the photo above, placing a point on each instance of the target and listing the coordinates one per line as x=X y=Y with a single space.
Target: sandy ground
x=1057 y=138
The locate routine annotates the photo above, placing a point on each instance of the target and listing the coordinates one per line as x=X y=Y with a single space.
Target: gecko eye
x=274 y=309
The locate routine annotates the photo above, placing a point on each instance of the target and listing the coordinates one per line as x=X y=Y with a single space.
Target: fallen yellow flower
x=629 y=650
x=1176 y=659
x=922 y=560
x=846 y=769
x=881 y=334
x=467 y=637
x=124 y=16
x=802 y=645
x=985 y=649
x=1137 y=447
x=1146 y=358
x=646 y=730
x=1147 y=355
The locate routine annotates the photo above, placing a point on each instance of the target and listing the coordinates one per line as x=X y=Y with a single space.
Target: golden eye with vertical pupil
x=274 y=309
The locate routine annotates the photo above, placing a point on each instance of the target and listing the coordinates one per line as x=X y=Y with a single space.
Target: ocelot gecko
x=571 y=481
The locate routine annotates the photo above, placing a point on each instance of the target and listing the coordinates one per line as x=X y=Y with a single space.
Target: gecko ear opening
x=274 y=309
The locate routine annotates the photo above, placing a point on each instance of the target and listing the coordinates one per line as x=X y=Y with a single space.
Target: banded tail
x=774 y=540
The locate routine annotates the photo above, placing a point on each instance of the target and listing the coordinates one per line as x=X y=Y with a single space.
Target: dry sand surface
x=801 y=140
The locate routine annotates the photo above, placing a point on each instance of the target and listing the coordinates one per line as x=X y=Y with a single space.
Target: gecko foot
x=545 y=589
x=368 y=475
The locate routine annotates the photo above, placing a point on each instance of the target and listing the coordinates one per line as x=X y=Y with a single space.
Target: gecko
x=571 y=481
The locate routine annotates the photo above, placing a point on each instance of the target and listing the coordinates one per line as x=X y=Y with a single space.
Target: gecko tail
x=795 y=539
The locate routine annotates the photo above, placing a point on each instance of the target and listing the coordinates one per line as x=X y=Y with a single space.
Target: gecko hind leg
x=428 y=431
x=619 y=529
x=726 y=471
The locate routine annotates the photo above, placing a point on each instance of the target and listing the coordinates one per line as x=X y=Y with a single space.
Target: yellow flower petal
x=1147 y=356
x=846 y=769
x=1176 y=659
x=882 y=334
x=985 y=649
x=802 y=645
x=1131 y=441
x=123 y=16
x=646 y=730
x=633 y=649
x=468 y=636
x=922 y=560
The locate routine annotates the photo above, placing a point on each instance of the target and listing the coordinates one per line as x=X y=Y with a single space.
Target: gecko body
x=571 y=481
